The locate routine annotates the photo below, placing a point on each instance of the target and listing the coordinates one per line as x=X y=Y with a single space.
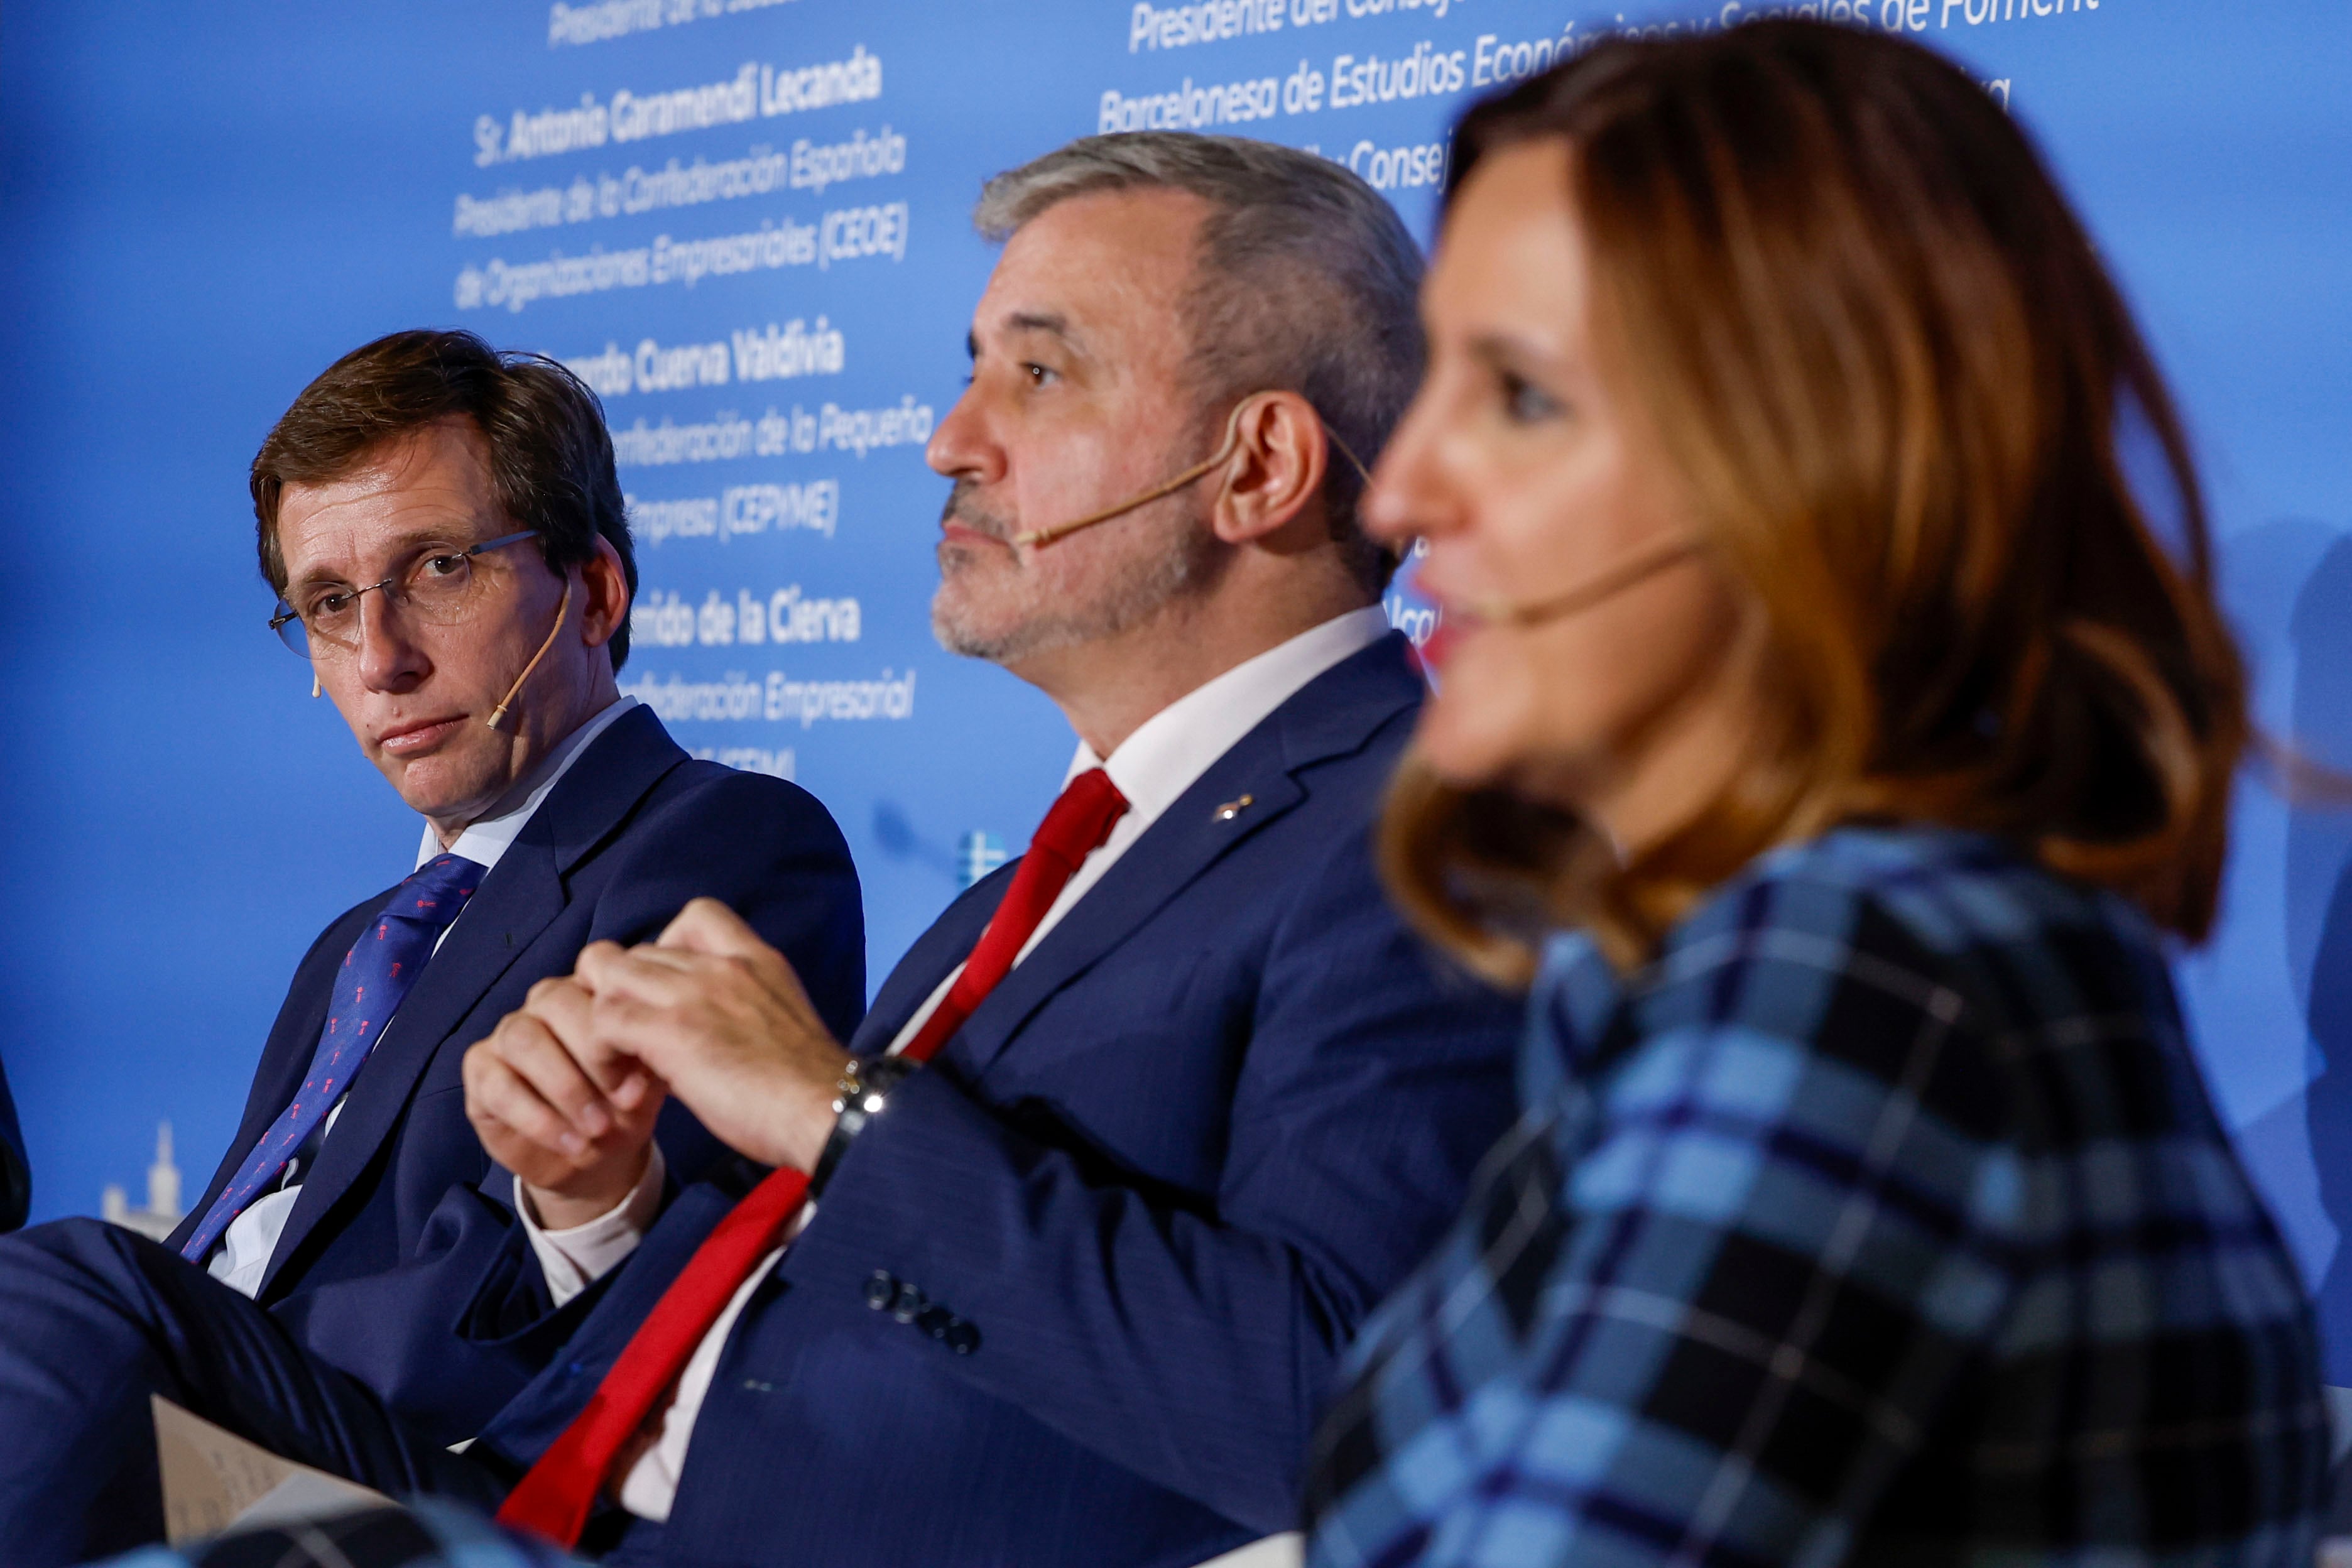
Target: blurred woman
x=1811 y=658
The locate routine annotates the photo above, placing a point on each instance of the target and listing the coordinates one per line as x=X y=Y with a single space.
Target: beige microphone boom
x=498 y=715
x=1606 y=585
x=1036 y=537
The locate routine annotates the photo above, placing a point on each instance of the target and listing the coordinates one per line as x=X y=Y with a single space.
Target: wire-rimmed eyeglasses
x=439 y=588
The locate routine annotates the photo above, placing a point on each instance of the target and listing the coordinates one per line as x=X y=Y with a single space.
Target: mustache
x=963 y=506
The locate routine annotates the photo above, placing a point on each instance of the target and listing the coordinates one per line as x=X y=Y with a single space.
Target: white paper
x=214 y=1480
x=1287 y=1550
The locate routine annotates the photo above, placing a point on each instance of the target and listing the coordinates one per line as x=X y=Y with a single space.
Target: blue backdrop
x=745 y=221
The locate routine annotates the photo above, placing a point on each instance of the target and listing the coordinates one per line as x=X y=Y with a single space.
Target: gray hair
x=1308 y=283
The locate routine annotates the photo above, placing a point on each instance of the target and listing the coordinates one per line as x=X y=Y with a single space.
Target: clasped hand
x=565 y=1091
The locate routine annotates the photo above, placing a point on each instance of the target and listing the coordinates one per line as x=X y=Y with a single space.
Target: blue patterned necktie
x=377 y=973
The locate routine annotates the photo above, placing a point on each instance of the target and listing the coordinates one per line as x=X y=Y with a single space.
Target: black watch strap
x=861 y=1095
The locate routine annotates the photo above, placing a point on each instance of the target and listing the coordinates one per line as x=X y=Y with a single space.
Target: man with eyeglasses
x=444 y=528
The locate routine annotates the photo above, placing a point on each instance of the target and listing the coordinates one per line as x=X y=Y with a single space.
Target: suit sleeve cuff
x=575 y=1257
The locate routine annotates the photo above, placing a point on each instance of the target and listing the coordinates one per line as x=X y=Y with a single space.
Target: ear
x=604 y=594
x=1276 y=474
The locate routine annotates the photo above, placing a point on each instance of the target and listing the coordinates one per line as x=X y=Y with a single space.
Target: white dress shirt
x=1165 y=756
x=242 y=1257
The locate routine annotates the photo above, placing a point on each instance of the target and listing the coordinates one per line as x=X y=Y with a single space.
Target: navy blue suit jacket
x=391 y=1233
x=1151 y=1186
x=16 y=1170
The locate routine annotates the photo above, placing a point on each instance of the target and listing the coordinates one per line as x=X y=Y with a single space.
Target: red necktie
x=556 y=1497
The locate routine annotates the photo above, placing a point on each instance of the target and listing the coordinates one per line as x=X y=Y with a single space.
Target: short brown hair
x=1308 y=281
x=550 y=456
x=1883 y=356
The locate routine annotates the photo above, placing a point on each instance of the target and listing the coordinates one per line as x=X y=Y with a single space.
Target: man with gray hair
x=1139 y=1129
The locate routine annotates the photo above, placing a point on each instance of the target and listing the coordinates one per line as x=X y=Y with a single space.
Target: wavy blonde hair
x=1886 y=363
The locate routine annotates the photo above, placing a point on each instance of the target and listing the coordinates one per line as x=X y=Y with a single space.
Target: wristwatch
x=860 y=1095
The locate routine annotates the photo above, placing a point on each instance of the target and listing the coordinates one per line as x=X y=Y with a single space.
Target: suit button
x=962 y=1337
x=907 y=1303
x=880 y=1289
x=934 y=1322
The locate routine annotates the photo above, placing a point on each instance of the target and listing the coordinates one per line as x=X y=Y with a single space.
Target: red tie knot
x=1082 y=817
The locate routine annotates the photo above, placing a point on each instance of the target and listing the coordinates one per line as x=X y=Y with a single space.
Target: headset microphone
x=498 y=715
x=1585 y=596
x=1232 y=443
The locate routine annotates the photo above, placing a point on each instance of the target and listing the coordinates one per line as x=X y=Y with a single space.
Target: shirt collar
x=1174 y=747
x=486 y=841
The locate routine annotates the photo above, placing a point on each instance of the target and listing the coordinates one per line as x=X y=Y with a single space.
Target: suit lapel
x=948 y=942
x=1333 y=715
x=518 y=901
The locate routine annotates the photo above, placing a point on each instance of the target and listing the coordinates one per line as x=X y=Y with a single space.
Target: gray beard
x=1187 y=559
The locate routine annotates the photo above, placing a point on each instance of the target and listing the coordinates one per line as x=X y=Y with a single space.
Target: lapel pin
x=1230 y=810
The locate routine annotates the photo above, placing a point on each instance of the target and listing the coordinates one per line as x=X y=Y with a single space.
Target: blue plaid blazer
x=1883 y=1218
